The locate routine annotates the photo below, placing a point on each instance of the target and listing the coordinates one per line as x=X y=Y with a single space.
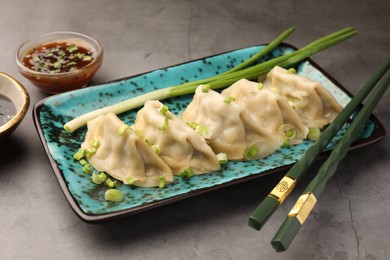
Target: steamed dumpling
x=269 y=109
x=313 y=103
x=124 y=156
x=180 y=147
x=231 y=129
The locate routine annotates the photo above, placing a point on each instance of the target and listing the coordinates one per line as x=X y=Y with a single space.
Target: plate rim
x=377 y=135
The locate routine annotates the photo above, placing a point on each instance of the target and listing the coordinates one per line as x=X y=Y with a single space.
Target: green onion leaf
x=87 y=168
x=292 y=71
x=95 y=143
x=113 y=195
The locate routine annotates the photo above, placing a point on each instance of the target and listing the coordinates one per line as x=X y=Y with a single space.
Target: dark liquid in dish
x=7 y=110
x=57 y=57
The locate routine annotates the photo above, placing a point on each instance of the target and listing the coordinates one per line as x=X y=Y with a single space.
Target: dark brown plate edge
x=377 y=135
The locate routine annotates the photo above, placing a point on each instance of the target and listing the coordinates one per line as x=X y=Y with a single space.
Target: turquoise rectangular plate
x=87 y=198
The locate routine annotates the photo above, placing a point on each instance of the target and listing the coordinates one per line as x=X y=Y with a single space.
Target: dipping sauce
x=7 y=110
x=57 y=57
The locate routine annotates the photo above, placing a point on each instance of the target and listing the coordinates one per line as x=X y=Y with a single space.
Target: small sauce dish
x=59 y=61
x=14 y=103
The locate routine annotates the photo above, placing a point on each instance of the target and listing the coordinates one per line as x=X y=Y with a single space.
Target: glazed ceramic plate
x=87 y=198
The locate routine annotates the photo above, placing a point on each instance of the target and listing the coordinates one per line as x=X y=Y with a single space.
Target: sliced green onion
x=288 y=130
x=80 y=154
x=110 y=183
x=87 y=168
x=291 y=103
x=187 y=173
x=72 y=48
x=164 y=110
x=251 y=152
x=162 y=182
x=203 y=131
x=130 y=180
x=260 y=85
x=292 y=71
x=113 y=195
x=193 y=125
x=95 y=143
x=83 y=162
x=156 y=148
x=164 y=126
x=314 y=133
x=90 y=151
x=222 y=158
x=205 y=88
x=228 y=100
x=285 y=144
x=98 y=178
x=122 y=129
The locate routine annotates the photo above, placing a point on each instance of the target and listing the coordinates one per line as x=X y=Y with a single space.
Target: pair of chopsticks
x=307 y=201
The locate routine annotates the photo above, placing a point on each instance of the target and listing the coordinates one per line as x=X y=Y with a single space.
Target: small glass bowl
x=54 y=83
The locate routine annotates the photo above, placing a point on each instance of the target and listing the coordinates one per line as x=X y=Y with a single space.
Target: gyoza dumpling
x=231 y=129
x=269 y=109
x=126 y=155
x=313 y=103
x=179 y=145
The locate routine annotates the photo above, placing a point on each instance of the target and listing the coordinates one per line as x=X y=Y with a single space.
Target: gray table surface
x=351 y=219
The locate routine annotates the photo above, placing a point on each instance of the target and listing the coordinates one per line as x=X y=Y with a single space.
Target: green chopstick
x=306 y=202
x=277 y=196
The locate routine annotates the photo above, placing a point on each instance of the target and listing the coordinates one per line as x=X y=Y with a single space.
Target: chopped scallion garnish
x=228 y=100
x=156 y=148
x=222 y=158
x=113 y=195
x=251 y=152
x=80 y=154
x=130 y=180
x=187 y=173
x=110 y=183
x=314 y=133
x=98 y=178
x=162 y=181
x=205 y=88
x=164 y=126
x=260 y=85
x=122 y=129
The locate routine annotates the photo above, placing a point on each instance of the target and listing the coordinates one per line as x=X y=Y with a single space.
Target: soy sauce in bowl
x=7 y=110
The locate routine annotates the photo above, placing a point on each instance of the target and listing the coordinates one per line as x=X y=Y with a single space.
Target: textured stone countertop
x=351 y=219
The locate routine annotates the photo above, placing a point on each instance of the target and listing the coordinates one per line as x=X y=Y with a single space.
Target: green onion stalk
x=244 y=70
